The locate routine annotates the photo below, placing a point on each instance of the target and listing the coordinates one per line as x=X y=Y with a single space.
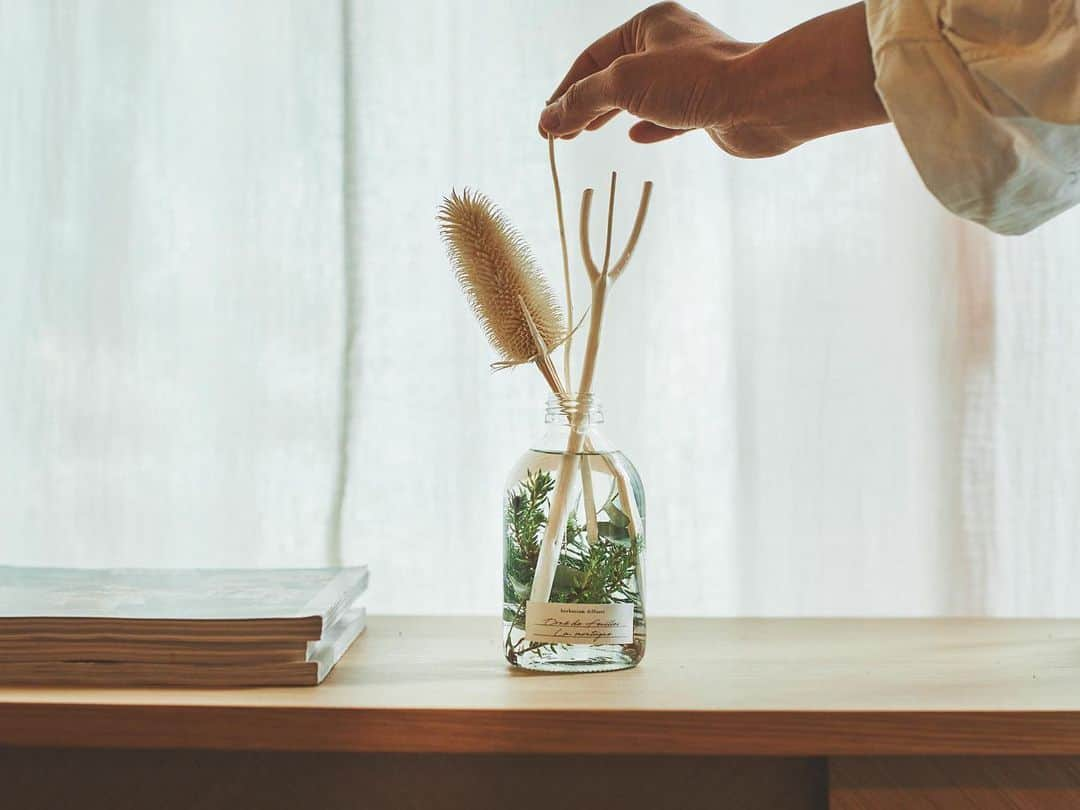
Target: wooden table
x=723 y=713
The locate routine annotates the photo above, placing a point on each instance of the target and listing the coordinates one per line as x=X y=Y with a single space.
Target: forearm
x=814 y=80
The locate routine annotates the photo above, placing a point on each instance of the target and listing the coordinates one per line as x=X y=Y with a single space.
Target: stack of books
x=169 y=627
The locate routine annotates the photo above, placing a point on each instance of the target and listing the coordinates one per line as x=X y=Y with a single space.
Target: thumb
x=584 y=101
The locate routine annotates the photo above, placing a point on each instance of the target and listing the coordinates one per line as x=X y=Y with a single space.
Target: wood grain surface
x=225 y=780
x=954 y=783
x=732 y=687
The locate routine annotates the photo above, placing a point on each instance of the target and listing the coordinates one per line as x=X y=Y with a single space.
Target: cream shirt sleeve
x=986 y=97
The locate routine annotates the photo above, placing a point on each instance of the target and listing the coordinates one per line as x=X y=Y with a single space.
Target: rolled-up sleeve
x=986 y=97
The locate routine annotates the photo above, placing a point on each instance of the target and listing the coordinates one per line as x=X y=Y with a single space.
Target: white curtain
x=171 y=227
x=229 y=334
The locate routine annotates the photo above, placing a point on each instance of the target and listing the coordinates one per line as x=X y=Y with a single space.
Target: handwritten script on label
x=563 y=623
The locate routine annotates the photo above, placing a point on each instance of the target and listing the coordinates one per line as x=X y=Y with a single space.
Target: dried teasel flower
x=499 y=276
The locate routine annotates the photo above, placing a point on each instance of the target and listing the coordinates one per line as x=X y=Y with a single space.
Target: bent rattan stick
x=599 y=280
x=547 y=369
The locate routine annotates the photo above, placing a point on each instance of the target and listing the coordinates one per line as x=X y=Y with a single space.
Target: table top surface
x=706 y=686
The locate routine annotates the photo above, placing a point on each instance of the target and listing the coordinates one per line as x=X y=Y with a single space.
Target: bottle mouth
x=572 y=407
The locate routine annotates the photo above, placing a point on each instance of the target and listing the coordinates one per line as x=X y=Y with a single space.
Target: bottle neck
x=570 y=409
x=572 y=413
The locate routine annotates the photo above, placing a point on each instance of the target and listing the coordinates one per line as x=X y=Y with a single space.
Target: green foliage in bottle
x=601 y=572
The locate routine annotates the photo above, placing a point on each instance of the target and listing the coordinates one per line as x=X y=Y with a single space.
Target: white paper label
x=564 y=623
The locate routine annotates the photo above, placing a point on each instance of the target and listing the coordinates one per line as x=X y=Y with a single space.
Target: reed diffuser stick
x=547 y=369
x=565 y=258
x=599 y=280
x=592 y=530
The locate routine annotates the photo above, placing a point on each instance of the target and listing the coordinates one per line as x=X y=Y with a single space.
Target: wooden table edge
x=545 y=731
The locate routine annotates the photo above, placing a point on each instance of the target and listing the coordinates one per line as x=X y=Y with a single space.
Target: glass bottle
x=593 y=619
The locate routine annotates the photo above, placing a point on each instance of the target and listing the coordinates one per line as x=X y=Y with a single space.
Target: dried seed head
x=494 y=266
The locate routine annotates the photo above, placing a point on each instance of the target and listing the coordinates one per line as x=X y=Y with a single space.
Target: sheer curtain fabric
x=230 y=336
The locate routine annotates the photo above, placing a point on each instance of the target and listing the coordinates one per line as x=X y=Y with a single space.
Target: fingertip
x=550 y=118
x=545 y=134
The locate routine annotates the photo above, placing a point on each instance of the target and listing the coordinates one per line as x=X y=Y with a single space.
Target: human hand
x=666 y=65
x=676 y=72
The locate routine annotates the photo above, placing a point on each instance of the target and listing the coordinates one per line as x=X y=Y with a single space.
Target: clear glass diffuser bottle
x=593 y=617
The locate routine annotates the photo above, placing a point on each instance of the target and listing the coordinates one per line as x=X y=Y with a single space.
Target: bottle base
x=578 y=658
